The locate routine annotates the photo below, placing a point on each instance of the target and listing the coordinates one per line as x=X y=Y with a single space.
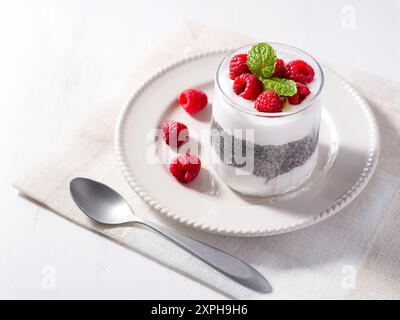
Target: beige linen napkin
x=317 y=262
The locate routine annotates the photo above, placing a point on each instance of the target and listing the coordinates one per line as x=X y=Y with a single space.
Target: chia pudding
x=266 y=143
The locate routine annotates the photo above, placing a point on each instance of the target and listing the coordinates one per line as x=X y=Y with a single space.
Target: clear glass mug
x=264 y=154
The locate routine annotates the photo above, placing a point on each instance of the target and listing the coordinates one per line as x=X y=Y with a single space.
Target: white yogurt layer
x=266 y=131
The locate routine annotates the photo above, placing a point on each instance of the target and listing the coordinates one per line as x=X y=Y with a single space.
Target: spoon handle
x=227 y=264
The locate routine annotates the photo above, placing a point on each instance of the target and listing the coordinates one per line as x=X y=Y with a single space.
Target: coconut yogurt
x=265 y=154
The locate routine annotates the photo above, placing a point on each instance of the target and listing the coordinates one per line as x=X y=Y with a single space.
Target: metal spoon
x=106 y=206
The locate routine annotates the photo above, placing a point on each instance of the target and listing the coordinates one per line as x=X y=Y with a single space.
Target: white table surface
x=59 y=57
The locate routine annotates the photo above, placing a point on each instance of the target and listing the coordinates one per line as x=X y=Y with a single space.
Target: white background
x=57 y=58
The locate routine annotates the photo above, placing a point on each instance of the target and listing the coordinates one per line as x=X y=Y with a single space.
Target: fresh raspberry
x=248 y=86
x=193 y=100
x=185 y=167
x=279 y=71
x=238 y=66
x=174 y=133
x=268 y=101
x=299 y=71
x=301 y=94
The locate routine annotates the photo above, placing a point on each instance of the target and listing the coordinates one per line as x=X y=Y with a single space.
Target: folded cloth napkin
x=355 y=254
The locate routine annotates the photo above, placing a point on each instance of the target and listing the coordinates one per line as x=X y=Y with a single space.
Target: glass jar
x=259 y=153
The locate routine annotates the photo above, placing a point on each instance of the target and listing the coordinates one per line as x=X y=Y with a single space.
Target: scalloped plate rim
x=339 y=204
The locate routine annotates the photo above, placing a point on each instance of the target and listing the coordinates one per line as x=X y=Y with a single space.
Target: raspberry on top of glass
x=267 y=81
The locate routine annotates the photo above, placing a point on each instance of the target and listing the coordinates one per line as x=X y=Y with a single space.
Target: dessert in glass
x=265 y=118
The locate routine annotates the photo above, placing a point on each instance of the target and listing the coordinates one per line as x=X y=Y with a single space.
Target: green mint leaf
x=283 y=87
x=261 y=60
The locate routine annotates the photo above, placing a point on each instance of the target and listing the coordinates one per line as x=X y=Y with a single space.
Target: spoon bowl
x=100 y=202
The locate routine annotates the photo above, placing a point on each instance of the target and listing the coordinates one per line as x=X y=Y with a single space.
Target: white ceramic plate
x=348 y=154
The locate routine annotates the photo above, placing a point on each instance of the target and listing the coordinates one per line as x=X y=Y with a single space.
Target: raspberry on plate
x=193 y=100
x=279 y=71
x=185 y=168
x=238 y=66
x=299 y=71
x=268 y=101
x=174 y=133
x=301 y=94
x=248 y=86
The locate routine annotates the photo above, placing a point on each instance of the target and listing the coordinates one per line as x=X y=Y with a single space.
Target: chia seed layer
x=266 y=161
